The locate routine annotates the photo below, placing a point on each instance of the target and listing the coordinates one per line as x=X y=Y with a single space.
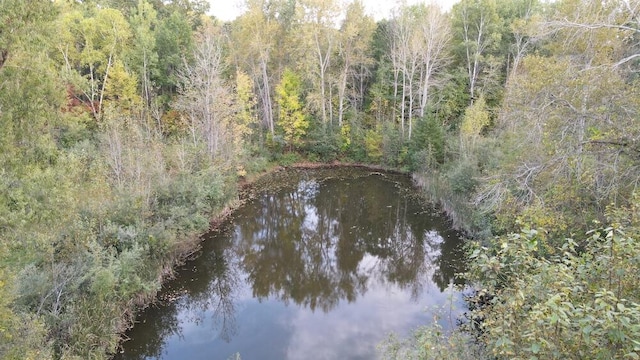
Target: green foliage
x=452 y=101
x=246 y=119
x=30 y=97
x=345 y=137
x=476 y=118
x=478 y=29
x=22 y=336
x=121 y=89
x=357 y=151
x=21 y=22
x=88 y=47
x=184 y=203
x=573 y=302
x=93 y=210
x=373 y=145
x=288 y=159
x=394 y=150
x=462 y=177
x=174 y=43
x=432 y=342
x=142 y=56
x=323 y=143
x=427 y=145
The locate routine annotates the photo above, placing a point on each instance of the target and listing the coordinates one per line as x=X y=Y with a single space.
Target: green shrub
x=373 y=145
x=574 y=302
x=462 y=177
x=325 y=144
x=427 y=145
x=432 y=342
x=289 y=159
x=394 y=150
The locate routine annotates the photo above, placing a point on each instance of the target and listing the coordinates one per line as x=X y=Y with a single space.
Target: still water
x=320 y=264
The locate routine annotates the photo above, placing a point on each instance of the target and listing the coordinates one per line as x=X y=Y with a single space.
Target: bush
x=373 y=145
x=462 y=177
x=426 y=148
x=432 y=342
x=324 y=144
x=421 y=161
x=394 y=150
x=358 y=149
x=563 y=303
x=289 y=159
x=185 y=203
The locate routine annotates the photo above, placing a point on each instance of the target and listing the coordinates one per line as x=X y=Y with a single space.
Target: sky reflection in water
x=321 y=269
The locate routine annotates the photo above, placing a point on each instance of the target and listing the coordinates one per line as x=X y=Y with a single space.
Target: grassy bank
x=85 y=246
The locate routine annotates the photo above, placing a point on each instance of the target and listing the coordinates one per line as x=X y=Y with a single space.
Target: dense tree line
x=126 y=123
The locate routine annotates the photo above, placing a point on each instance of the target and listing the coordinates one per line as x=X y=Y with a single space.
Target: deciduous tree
x=354 y=57
x=291 y=119
x=143 y=56
x=477 y=35
x=204 y=99
x=90 y=46
x=319 y=33
x=252 y=45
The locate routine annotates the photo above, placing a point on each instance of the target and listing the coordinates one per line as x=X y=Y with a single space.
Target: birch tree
x=89 y=47
x=318 y=17
x=419 y=39
x=436 y=35
x=400 y=52
x=354 y=58
x=252 y=38
x=521 y=30
x=203 y=97
x=476 y=30
x=143 y=55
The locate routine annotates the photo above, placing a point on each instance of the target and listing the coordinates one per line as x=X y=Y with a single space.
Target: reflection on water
x=323 y=268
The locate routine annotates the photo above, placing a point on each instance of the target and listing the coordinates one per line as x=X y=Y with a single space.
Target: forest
x=126 y=125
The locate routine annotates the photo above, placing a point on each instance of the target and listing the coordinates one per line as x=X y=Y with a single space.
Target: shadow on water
x=324 y=264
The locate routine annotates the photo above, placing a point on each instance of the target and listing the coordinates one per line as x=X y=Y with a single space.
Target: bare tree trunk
x=342 y=87
x=266 y=98
x=204 y=97
x=323 y=66
x=104 y=83
x=402 y=102
x=436 y=35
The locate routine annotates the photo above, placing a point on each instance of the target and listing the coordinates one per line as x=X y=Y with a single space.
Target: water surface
x=324 y=264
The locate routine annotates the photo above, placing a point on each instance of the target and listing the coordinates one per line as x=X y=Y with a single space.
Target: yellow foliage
x=121 y=88
x=292 y=119
x=541 y=217
x=345 y=136
x=373 y=145
x=246 y=116
x=476 y=118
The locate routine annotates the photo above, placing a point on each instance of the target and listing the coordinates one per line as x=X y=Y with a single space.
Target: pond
x=319 y=264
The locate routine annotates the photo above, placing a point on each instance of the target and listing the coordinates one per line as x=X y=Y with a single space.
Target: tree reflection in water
x=307 y=244
x=315 y=243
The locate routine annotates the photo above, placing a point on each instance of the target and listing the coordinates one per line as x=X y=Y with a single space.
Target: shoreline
x=192 y=243
x=246 y=188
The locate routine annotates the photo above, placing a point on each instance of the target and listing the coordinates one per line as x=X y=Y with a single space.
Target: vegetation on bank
x=126 y=124
x=537 y=300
